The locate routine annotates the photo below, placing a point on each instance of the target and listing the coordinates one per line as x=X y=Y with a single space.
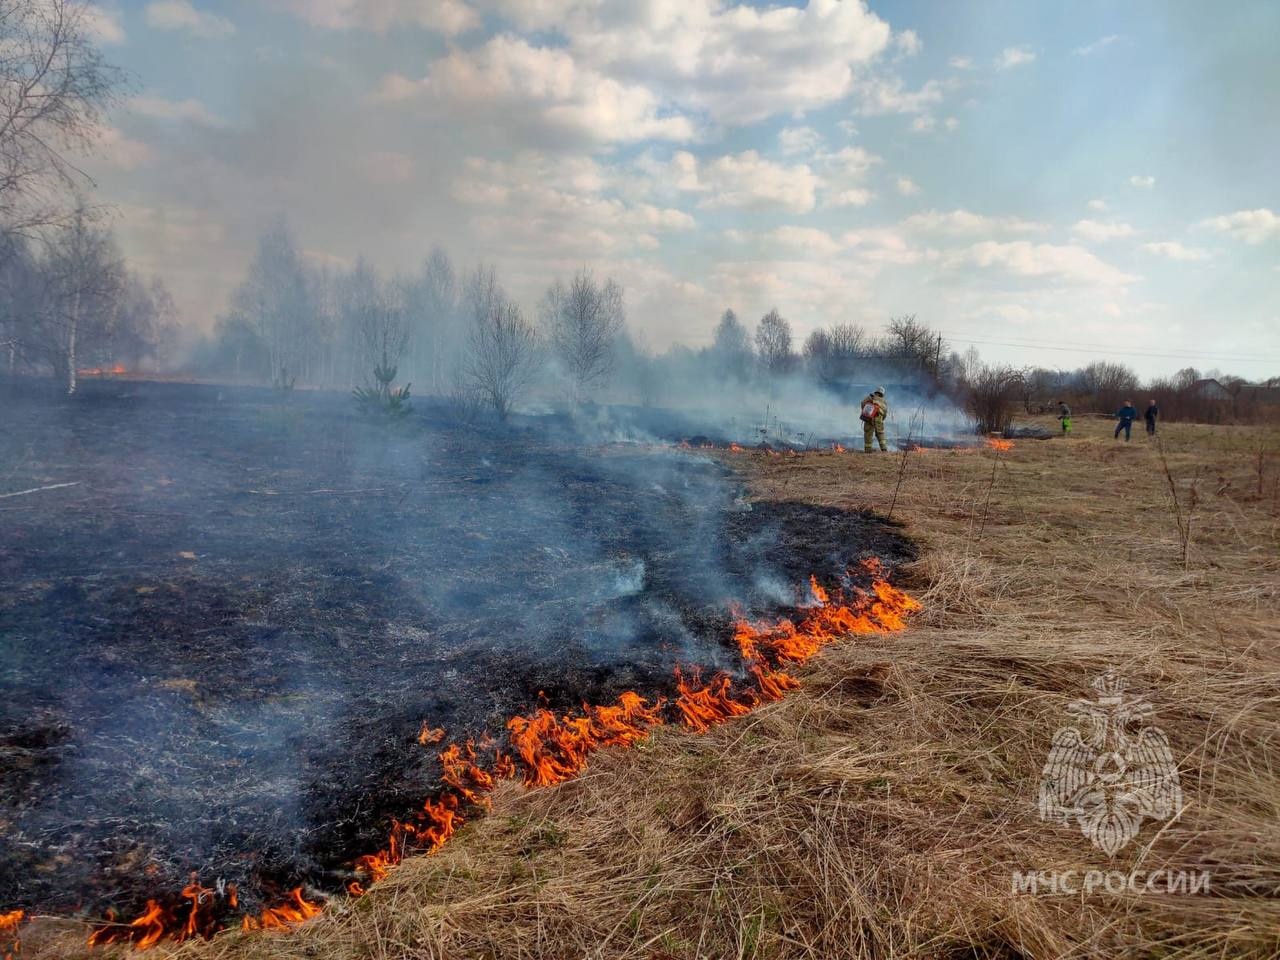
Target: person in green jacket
x=873 y=421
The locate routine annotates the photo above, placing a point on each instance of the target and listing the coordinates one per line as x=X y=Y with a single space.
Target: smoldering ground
x=222 y=641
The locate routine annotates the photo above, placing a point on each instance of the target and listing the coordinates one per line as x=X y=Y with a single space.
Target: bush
x=991 y=395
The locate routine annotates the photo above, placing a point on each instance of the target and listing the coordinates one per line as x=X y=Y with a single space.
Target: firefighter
x=874 y=410
x=1064 y=414
x=1150 y=416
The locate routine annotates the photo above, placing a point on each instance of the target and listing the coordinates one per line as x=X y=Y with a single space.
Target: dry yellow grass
x=881 y=810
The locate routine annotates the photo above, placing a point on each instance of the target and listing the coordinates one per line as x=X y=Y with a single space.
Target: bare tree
x=1107 y=384
x=86 y=283
x=374 y=313
x=992 y=391
x=832 y=354
x=911 y=339
x=502 y=346
x=275 y=299
x=22 y=289
x=54 y=87
x=773 y=343
x=731 y=347
x=432 y=305
x=583 y=321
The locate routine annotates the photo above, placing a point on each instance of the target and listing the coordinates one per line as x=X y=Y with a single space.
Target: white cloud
x=1062 y=264
x=553 y=207
x=951 y=123
x=119 y=151
x=1142 y=182
x=880 y=245
x=925 y=123
x=885 y=96
x=514 y=78
x=907 y=187
x=852 y=197
x=737 y=62
x=1099 y=205
x=103 y=25
x=679 y=174
x=843 y=173
x=908 y=43
x=1251 y=226
x=800 y=288
x=449 y=17
x=962 y=223
x=849 y=163
x=795 y=140
x=181 y=15
x=1013 y=57
x=804 y=240
x=748 y=181
x=960 y=63
x=1091 y=48
x=160 y=108
x=1175 y=250
x=1098 y=232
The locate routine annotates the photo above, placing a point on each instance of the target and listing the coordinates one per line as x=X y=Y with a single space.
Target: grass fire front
x=225 y=634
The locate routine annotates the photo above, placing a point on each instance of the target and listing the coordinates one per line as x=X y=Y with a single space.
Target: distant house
x=1209 y=390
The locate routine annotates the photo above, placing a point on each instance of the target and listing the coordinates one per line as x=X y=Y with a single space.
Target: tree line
x=995 y=393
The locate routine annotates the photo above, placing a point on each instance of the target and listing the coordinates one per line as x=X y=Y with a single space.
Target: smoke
x=228 y=635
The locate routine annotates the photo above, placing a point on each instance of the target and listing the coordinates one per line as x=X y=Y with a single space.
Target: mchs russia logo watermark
x=1107 y=774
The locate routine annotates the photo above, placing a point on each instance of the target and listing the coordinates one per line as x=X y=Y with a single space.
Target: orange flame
x=115 y=371
x=428 y=735
x=996 y=443
x=143 y=931
x=736 y=448
x=552 y=749
x=702 y=707
x=295 y=909
x=10 y=921
x=549 y=749
x=462 y=773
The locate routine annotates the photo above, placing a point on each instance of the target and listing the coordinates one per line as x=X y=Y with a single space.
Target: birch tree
x=85 y=284
x=502 y=346
x=583 y=321
x=54 y=88
x=274 y=300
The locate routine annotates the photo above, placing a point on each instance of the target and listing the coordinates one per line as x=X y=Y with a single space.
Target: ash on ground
x=222 y=641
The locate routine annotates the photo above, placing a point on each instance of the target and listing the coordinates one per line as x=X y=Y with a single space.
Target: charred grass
x=881 y=810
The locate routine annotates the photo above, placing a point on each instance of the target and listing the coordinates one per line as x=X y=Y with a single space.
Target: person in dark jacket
x=1126 y=415
x=1152 y=412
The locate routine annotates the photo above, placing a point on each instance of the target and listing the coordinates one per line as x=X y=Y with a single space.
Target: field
x=884 y=808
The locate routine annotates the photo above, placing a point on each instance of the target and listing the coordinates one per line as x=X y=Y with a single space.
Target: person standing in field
x=1064 y=414
x=874 y=410
x=1150 y=416
x=1126 y=415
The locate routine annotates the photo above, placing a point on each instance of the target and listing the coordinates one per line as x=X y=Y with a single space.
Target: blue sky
x=1054 y=183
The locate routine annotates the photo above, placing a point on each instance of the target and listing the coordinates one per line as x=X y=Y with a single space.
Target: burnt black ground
x=218 y=646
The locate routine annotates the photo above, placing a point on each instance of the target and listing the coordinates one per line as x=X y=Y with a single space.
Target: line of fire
x=263 y=653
